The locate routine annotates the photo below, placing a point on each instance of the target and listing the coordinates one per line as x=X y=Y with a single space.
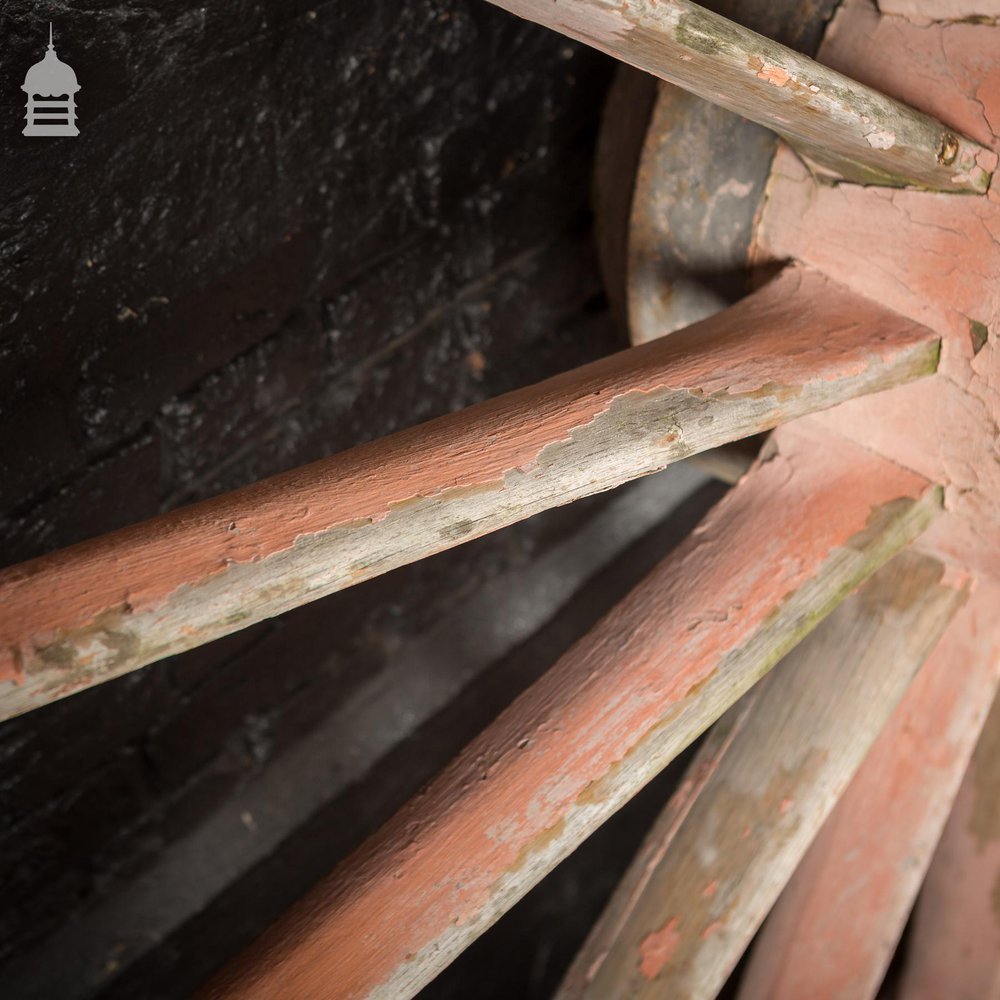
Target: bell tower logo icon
x=51 y=87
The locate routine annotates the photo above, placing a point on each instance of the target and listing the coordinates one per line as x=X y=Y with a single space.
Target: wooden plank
x=96 y=610
x=837 y=123
x=721 y=851
x=709 y=621
x=954 y=949
x=836 y=926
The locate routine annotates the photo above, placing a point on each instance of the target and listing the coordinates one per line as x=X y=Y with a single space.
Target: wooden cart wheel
x=858 y=554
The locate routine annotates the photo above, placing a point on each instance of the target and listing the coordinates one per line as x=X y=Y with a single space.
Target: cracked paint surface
x=773 y=774
x=936 y=257
x=929 y=256
x=710 y=619
x=956 y=931
x=838 y=124
x=96 y=610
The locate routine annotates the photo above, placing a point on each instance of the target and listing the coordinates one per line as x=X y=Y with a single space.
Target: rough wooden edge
x=954 y=950
x=835 y=928
x=837 y=123
x=696 y=893
x=624 y=122
x=97 y=610
x=652 y=675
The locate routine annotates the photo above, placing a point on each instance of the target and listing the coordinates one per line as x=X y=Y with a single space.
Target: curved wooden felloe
x=649 y=678
x=699 y=180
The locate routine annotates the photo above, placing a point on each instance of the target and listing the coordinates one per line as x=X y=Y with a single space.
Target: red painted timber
x=652 y=675
x=836 y=925
x=954 y=950
x=91 y=612
x=843 y=126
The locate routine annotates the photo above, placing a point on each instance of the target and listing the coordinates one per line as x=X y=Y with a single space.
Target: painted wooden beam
x=838 y=124
x=954 y=949
x=731 y=836
x=91 y=612
x=835 y=928
x=703 y=627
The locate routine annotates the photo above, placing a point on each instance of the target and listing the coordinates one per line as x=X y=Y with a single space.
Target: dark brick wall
x=284 y=229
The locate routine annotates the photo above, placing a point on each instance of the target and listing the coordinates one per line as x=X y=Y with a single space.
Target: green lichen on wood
x=980 y=333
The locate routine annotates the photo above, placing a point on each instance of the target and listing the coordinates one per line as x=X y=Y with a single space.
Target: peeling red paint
x=955 y=948
x=658 y=948
x=712 y=928
x=773 y=74
x=927 y=255
x=444 y=861
x=938 y=258
x=835 y=927
x=800 y=331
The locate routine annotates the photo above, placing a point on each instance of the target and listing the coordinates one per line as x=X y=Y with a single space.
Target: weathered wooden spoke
x=955 y=947
x=838 y=124
x=759 y=790
x=836 y=926
x=105 y=607
x=880 y=225
x=712 y=619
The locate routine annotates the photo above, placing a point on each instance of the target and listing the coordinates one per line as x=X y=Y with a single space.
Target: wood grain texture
x=647 y=680
x=725 y=845
x=954 y=950
x=839 y=124
x=97 y=610
x=837 y=923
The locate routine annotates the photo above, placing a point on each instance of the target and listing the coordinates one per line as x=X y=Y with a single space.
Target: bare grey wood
x=839 y=125
x=758 y=792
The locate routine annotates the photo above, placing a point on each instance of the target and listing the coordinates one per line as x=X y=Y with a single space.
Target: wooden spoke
x=954 y=950
x=647 y=680
x=836 y=925
x=100 y=609
x=837 y=123
x=756 y=795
